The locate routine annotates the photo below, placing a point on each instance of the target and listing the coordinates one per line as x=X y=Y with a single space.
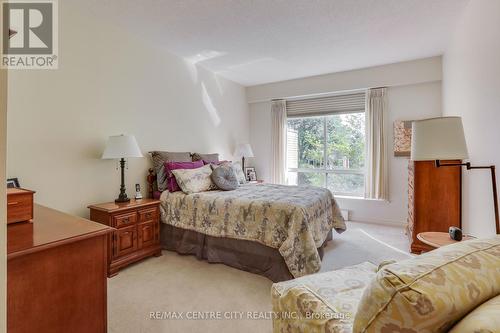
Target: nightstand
x=137 y=233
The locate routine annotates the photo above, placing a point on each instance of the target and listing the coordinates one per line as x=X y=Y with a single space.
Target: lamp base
x=122 y=197
x=121 y=200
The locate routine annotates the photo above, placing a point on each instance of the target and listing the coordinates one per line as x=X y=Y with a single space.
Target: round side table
x=438 y=239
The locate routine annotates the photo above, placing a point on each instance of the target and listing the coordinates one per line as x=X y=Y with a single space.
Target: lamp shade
x=243 y=150
x=121 y=146
x=438 y=139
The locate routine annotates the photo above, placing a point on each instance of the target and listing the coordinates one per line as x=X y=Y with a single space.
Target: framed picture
x=402 y=137
x=13 y=183
x=250 y=174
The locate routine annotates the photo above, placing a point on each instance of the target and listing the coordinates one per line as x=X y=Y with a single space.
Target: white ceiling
x=259 y=41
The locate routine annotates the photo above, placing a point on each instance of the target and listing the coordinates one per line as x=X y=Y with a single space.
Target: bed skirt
x=241 y=254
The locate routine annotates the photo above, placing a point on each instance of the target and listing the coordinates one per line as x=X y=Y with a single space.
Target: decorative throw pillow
x=432 y=292
x=225 y=178
x=194 y=180
x=159 y=158
x=205 y=157
x=172 y=185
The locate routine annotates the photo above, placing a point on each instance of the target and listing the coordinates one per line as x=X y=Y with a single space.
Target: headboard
x=151 y=179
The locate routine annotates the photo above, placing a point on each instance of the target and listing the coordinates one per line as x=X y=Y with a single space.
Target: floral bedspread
x=293 y=219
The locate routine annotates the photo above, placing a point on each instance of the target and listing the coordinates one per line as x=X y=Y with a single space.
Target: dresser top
x=49 y=228
x=112 y=207
x=17 y=190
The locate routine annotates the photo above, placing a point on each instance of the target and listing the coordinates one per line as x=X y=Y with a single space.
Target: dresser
x=56 y=274
x=137 y=233
x=434 y=200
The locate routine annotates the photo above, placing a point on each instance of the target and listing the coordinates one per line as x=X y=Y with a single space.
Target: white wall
x=398 y=74
x=419 y=97
x=110 y=83
x=471 y=89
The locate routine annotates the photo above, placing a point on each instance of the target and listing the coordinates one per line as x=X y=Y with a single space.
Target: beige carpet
x=182 y=284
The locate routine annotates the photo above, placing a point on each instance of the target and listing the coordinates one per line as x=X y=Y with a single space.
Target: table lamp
x=443 y=138
x=243 y=150
x=121 y=147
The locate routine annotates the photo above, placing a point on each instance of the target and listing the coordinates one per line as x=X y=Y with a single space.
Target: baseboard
x=393 y=223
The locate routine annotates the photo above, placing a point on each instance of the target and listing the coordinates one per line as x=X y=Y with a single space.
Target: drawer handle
x=13 y=203
x=148 y=215
x=126 y=220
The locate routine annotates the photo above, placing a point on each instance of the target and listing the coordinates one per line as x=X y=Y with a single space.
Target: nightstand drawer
x=148 y=214
x=124 y=220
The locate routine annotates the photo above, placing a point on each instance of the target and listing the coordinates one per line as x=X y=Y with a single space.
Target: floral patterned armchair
x=452 y=289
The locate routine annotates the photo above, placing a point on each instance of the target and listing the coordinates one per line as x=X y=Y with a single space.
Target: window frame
x=324 y=170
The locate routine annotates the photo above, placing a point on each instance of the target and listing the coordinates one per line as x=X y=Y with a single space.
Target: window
x=328 y=151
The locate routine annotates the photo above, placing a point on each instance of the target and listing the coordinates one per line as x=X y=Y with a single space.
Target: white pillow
x=194 y=180
x=239 y=172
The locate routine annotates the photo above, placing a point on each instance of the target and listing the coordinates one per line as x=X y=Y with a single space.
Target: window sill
x=358 y=198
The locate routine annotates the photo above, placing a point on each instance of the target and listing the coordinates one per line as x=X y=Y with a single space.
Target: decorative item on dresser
x=56 y=274
x=121 y=147
x=19 y=205
x=137 y=233
x=434 y=201
x=13 y=183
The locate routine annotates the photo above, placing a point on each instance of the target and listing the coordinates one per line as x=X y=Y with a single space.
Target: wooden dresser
x=56 y=274
x=137 y=234
x=434 y=200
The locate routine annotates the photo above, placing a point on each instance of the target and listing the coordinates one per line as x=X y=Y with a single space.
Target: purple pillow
x=172 y=185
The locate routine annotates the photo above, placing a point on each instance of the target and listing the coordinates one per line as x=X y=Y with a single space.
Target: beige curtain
x=278 y=141
x=376 y=180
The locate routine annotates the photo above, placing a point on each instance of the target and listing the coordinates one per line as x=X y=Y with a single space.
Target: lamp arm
x=493 y=183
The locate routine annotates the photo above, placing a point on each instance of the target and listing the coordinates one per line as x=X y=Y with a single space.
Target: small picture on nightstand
x=250 y=173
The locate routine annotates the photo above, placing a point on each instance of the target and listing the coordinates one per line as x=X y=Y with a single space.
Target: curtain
x=278 y=141
x=376 y=180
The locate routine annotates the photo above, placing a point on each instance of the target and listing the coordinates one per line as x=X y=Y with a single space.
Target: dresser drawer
x=124 y=220
x=19 y=207
x=148 y=214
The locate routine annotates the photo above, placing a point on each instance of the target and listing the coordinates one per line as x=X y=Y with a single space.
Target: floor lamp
x=443 y=138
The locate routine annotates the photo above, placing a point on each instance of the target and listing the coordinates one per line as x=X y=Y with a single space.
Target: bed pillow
x=239 y=172
x=159 y=158
x=172 y=185
x=195 y=180
x=216 y=163
x=205 y=157
x=236 y=166
x=225 y=178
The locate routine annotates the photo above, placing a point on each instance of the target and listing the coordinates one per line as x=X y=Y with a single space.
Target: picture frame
x=402 y=138
x=13 y=183
x=250 y=174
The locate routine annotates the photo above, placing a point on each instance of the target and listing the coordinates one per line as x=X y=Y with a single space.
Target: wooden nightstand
x=137 y=234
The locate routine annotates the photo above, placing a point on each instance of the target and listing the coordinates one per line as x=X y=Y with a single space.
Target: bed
x=273 y=230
